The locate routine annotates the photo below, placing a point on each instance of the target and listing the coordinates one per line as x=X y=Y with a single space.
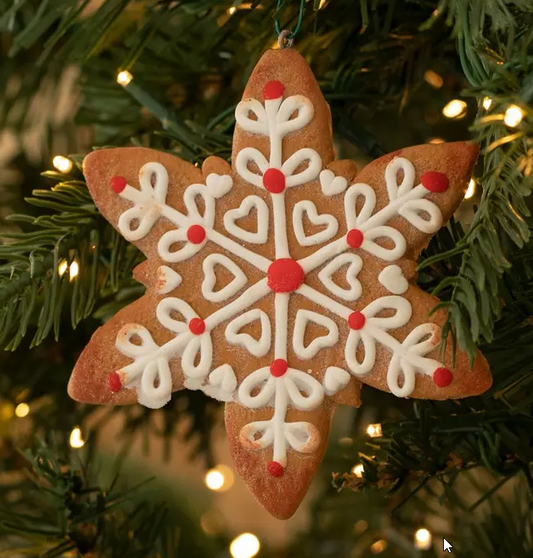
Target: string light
x=423 y=539
x=62 y=267
x=219 y=479
x=322 y=4
x=513 y=116
x=232 y=10
x=76 y=440
x=436 y=141
x=358 y=470
x=378 y=546
x=454 y=109
x=487 y=103
x=433 y=79
x=246 y=545
x=374 y=430
x=22 y=410
x=62 y=164
x=124 y=77
x=74 y=270
x=471 y=190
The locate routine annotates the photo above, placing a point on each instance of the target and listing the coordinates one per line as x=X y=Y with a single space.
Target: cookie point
x=196 y=234
x=275 y=469
x=114 y=382
x=354 y=238
x=273 y=90
x=197 y=326
x=274 y=181
x=118 y=183
x=285 y=275
x=435 y=181
x=279 y=367
x=442 y=377
x=356 y=320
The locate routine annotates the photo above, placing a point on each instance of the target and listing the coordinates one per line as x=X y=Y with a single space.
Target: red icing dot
x=118 y=183
x=197 y=326
x=285 y=275
x=114 y=382
x=196 y=234
x=274 y=181
x=356 y=320
x=273 y=90
x=275 y=469
x=354 y=238
x=442 y=377
x=435 y=181
x=278 y=367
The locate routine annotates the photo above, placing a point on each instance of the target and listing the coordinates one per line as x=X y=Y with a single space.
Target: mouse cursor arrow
x=447 y=547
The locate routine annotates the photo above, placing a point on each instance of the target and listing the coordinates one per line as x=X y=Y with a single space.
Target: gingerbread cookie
x=277 y=284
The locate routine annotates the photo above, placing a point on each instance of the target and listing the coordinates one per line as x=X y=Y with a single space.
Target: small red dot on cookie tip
x=356 y=320
x=197 y=326
x=273 y=90
x=279 y=367
x=196 y=234
x=118 y=183
x=275 y=469
x=114 y=382
x=354 y=238
x=435 y=181
x=442 y=377
x=274 y=181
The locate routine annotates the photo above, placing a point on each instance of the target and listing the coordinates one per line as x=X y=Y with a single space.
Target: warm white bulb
x=62 y=267
x=62 y=164
x=322 y=4
x=471 y=190
x=124 y=77
x=214 y=479
x=232 y=10
x=76 y=439
x=358 y=470
x=74 y=270
x=487 y=103
x=513 y=116
x=22 y=410
x=374 y=430
x=423 y=539
x=454 y=109
x=433 y=79
x=246 y=545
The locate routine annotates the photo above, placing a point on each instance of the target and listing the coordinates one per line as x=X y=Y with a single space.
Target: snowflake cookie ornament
x=278 y=284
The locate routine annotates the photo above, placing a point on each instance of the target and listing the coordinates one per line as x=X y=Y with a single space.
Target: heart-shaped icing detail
x=393 y=280
x=256 y=347
x=232 y=288
x=247 y=204
x=332 y=226
x=218 y=185
x=222 y=383
x=331 y=184
x=355 y=264
x=167 y=279
x=303 y=317
x=335 y=379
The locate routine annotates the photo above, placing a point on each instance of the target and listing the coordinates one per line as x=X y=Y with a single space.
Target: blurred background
x=399 y=476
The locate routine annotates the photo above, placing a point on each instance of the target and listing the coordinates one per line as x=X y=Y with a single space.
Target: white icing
x=281 y=311
x=222 y=383
x=184 y=253
x=335 y=380
x=257 y=126
x=411 y=211
x=231 y=289
x=303 y=317
x=331 y=224
x=218 y=185
x=256 y=347
x=281 y=241
x=312 y=170
x=244 y=158
x=354 y=263
x=332 y=185
x=202 y=346
x=393 y=280
x=305 y=111
x=247 y=204
x=168 y=279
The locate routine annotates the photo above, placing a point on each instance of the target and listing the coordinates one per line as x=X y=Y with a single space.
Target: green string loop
x=294 y=32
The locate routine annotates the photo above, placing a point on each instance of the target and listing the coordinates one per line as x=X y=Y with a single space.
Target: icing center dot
x=274 y=181
x=356 y=320
x=197 y=326
x=118 y=183
x=279 y=367
x=114 y=382
x=275 y=469
x=196 y=234
x=354 y=238
x=435 y=181
x=442 y=377
x=273 y=90
x=285 y=275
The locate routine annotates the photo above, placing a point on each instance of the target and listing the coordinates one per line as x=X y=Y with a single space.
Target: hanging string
x=285 y=37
